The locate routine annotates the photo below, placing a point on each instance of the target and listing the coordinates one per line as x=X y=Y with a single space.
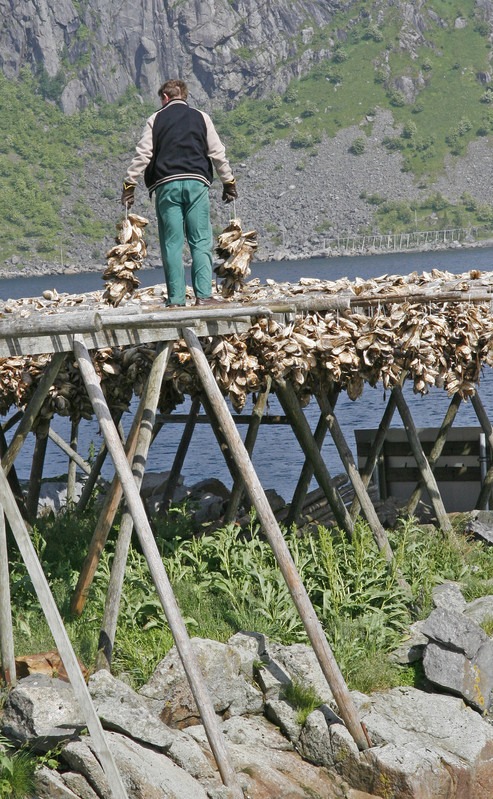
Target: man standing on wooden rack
x=178 y=147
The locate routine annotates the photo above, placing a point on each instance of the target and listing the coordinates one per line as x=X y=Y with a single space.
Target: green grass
x=44 y=154
x=16 y=772
x=303 y=697
x=230 y=581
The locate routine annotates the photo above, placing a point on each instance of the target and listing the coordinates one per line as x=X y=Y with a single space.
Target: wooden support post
x=436 y=450
x=16 y=417
x=220 y=437
x=347 y=459
x=306 y=475
x=151 y=391
x=62 y=641
x=37 y=471
x=93 y=478
x=12 y=477
x=73 y=455
x=301 y=428
x=250 y=439
x=72 y=470
x=104 y=523
x=376 y=448
x=276 y=540
x=180 y=455
x=6 y=630
x=158 y=572
x=485 y=423
x=32 y=410
x=424 y=467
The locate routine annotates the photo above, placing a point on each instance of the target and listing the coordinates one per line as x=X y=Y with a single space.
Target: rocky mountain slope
x=330 y=74
x=222 y=49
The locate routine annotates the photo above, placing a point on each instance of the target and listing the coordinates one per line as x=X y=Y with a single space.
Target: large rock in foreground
x=428 y=746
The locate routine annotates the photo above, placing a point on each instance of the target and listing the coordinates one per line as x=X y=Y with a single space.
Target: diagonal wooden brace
x=157 y=570
x=50 y=610
x=276 y=540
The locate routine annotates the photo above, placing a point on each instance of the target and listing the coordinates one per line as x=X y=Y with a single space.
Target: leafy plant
x=16 y=771
x=303 y=697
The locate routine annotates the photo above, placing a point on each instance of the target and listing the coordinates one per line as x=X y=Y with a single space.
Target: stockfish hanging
x=236 y=248
x=124 y=259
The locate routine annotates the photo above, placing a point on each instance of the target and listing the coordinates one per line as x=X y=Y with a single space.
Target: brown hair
x=174 y=88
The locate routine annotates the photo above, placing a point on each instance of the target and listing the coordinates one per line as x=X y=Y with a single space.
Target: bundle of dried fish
x=124 y=259
x=236 y=248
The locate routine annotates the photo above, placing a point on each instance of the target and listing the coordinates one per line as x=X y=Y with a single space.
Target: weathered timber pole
x=250 y=439
x=113 y=595
x=180 y=455
x=424 y=467
x=32 y=410
x=73 y=455
x=276 y=540
x=93 y=478
x=72 y=466
x=37 y=471
x=62 y=641
x=6 y=630
x=375 y=451
x=220 y=437
x=485 y=423
x=346 y=456
x=306 y=475
x=12 y=420
x=436 y=449
x=104 y=523
x=292 y=409
x=12 y=476
x=158 y=572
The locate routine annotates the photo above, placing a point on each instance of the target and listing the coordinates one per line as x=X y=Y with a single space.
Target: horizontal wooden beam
x=239 y=418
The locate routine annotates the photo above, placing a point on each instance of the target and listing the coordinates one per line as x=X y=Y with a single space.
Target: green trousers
x=182 y=208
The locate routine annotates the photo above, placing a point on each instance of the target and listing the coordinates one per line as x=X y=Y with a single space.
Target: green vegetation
x=43 y=153
x=434 y=212
x=303 y=697
x=338 y=91
x=229 y=581
x=16 y=771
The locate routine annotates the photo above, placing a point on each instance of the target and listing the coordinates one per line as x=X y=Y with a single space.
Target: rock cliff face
x=222 y=48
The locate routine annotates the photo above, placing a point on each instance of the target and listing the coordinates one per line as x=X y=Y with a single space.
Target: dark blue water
x=277 y=455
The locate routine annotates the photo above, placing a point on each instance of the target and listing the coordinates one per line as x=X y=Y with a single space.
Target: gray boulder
x=123 y=710
x=480 y=609
x=230 y=692
x=268 y=767
x=449 y=596
x=459 y=657
x=425 y=745
x=145 y=772
x=42 y=712
x=49 y=784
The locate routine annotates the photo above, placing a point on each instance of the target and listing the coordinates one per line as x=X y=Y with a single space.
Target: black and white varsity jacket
x=178 y=143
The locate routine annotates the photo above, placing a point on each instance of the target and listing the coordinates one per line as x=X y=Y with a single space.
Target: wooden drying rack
x=78 y=332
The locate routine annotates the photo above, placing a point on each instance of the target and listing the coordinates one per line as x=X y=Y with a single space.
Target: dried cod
x=236 y=248
x=124 y=259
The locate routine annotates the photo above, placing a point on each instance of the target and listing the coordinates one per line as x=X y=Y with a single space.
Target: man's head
x=173 y=89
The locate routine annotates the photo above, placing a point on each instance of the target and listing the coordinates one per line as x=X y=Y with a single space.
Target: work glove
x=229 y=191
x=128 y=194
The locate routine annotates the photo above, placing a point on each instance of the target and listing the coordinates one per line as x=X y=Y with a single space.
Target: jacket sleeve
x=143 y=154
x=217 y=152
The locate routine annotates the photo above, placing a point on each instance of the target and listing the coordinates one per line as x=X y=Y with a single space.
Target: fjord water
x=277 y=455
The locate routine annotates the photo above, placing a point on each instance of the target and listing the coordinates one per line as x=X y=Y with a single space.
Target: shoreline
x=45 y=270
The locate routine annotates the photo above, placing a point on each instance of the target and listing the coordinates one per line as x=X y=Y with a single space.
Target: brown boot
x=209 y=301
